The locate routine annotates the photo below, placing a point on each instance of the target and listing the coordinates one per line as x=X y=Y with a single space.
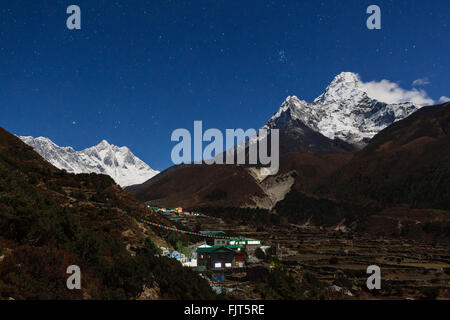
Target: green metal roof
x=214 y=248
x=243 y=239
x=200 y=268
x=213 y=232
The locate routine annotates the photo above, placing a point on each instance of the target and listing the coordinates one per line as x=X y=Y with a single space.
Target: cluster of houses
x=222 y=253
x=219 y=254
x=173 y=214
x=186 y=260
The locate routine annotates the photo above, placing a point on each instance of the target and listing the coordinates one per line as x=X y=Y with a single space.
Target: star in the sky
x=282 y=56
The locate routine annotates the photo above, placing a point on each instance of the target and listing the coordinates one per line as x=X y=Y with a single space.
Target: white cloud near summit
x=421 y=82
x=390 y=92
x=444 y=99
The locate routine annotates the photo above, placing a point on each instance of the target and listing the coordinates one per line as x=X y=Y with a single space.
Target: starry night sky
x=137 y=70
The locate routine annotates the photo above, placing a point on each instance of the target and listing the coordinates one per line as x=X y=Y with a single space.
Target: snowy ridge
x=344 y=111
x=118 y=162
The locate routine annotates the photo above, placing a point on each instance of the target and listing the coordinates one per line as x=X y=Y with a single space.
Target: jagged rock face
x=343 y=112
x=117 y=162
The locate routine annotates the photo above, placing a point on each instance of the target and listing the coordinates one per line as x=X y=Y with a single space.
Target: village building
x=221 y=257
x=177 y=210
x=192 y=261
x=153 y=206
x=249 y=244
x=172 y=216
x=220 y=242
x=156 y=207
x=212 y=236
x=219 y=238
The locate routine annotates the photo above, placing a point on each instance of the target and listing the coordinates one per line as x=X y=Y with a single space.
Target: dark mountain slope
x=406 y=163
x=312 y=168
x=295 y=136
x=200 y=185
x=397 y=186
x=50 y=219
x=234 y=186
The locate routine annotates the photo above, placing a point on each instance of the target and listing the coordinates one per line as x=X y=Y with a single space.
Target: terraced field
x=410 y=269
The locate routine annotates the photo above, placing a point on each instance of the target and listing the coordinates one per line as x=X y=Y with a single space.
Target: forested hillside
x=50 y=219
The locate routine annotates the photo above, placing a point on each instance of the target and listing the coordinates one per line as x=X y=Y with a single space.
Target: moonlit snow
x=343 y=111
x=118 y=162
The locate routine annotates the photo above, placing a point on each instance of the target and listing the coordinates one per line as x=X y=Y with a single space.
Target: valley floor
x=410 y=269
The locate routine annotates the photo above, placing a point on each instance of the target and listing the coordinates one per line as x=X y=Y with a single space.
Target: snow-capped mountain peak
x=344 y=87
x=103 y=144
x=118 y=162
x=344 y=111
